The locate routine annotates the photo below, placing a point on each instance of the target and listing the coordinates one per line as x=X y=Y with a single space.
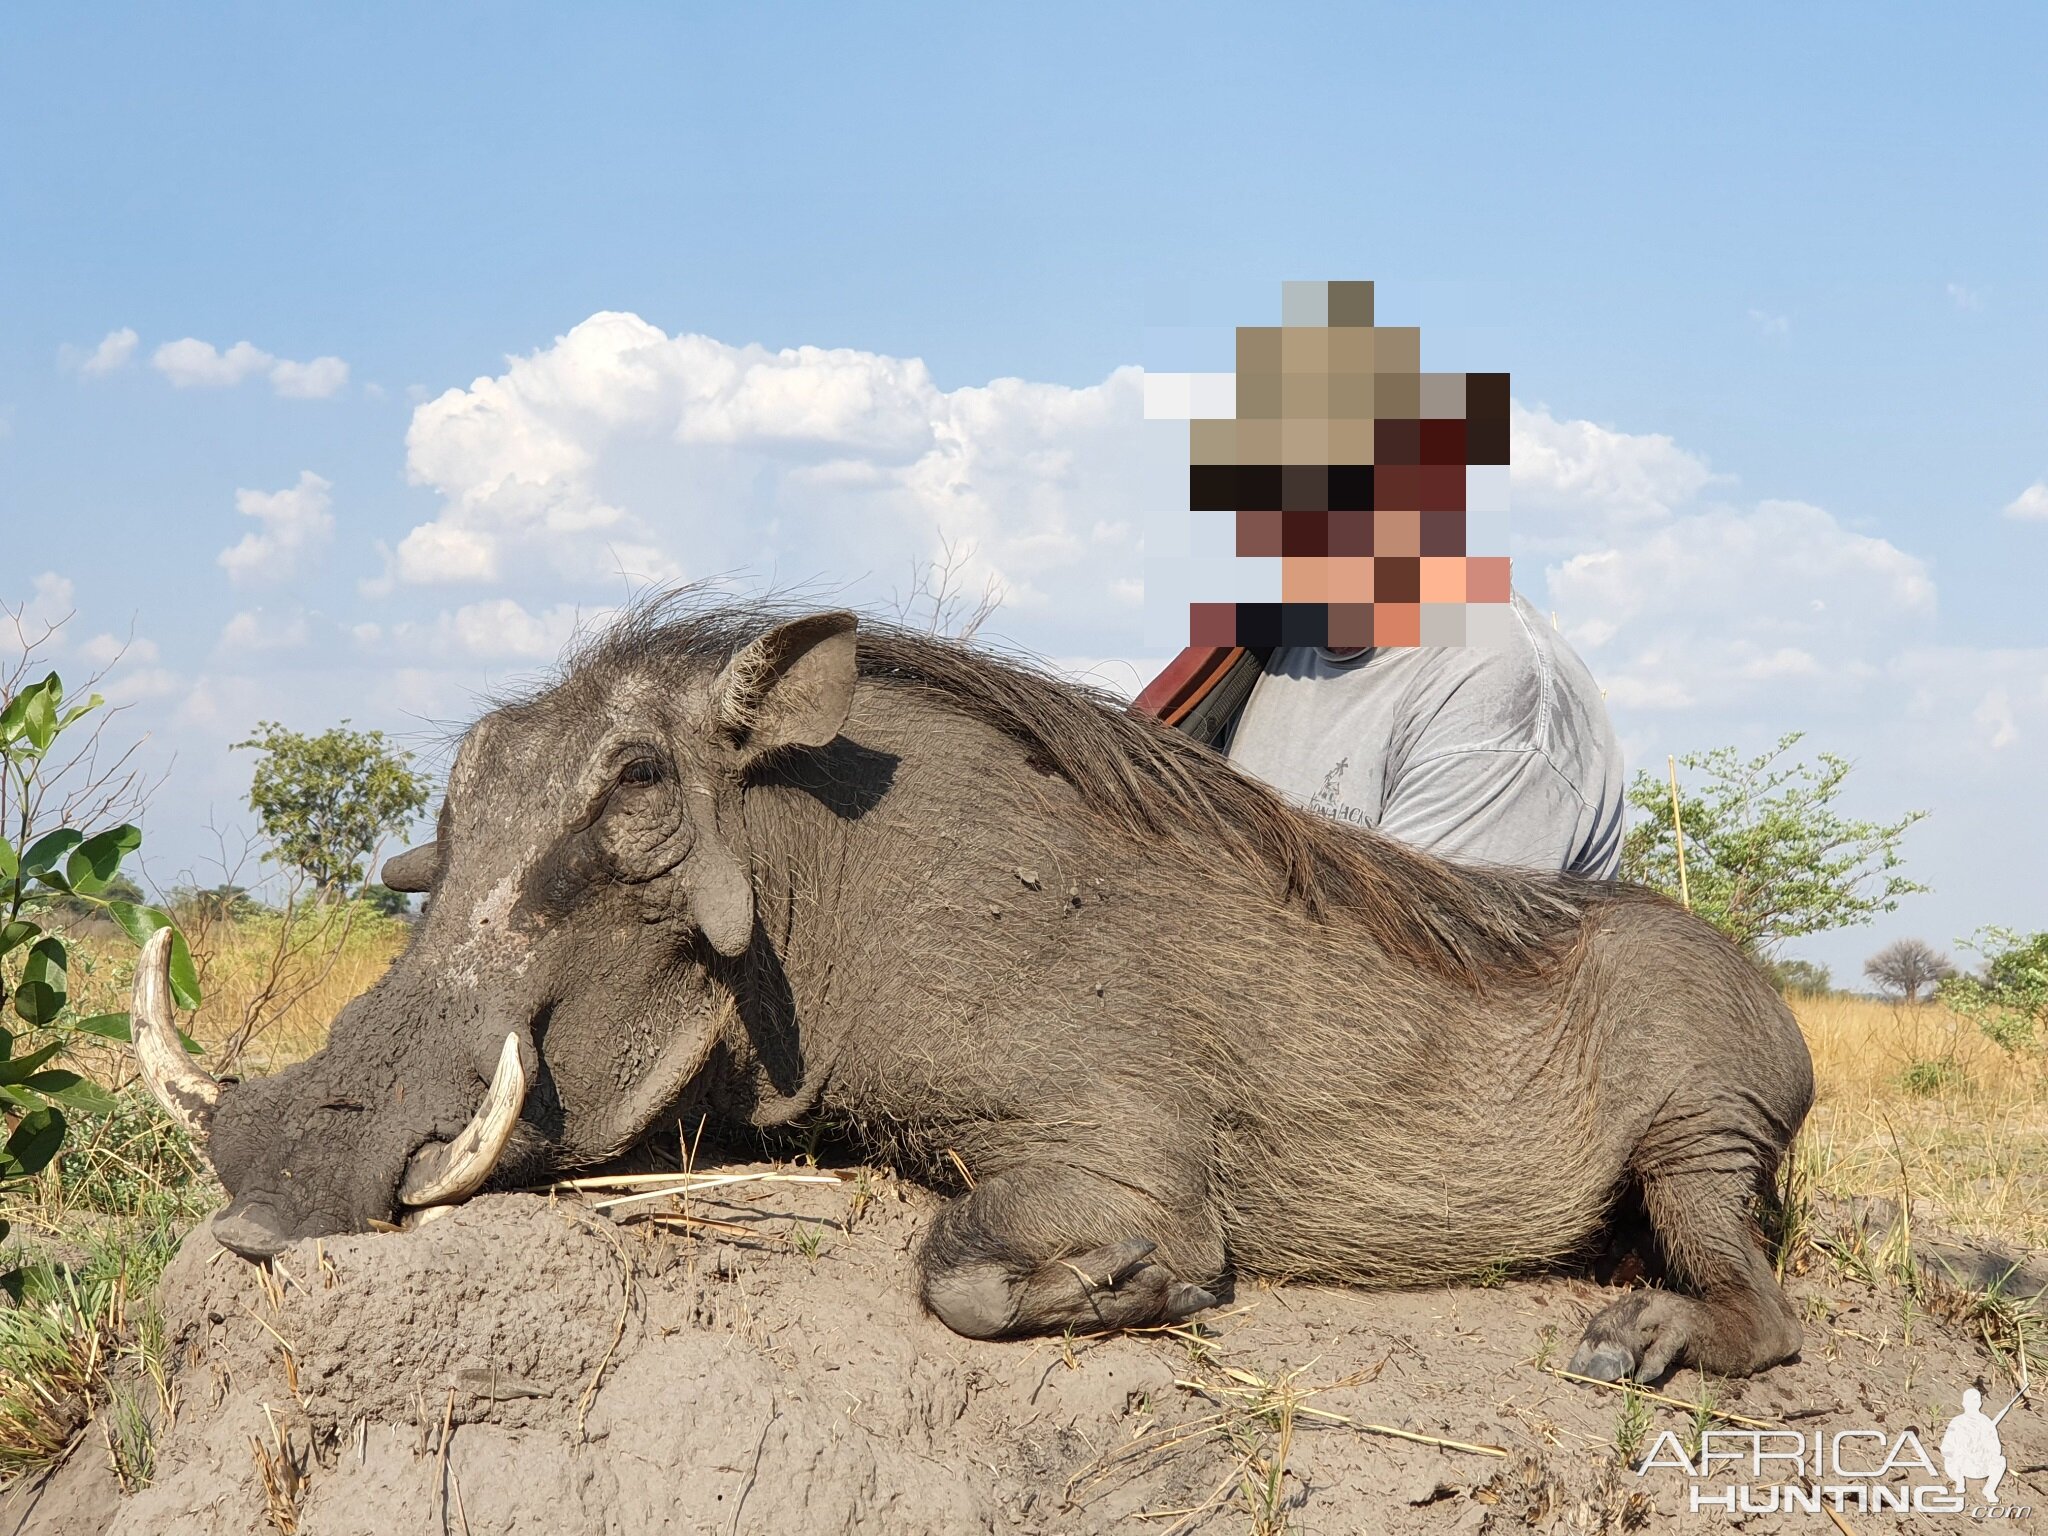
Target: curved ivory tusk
x=457 y=1170
x=187 y=1093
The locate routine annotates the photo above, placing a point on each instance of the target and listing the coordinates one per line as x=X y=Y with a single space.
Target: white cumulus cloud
x=2031 y=505
x=255 y=630
x=621 y=450
x=103 y=650
x=290 y=524
x=1598 y=473
x=190 y=363
x=115 y=351
x=37 y=620
x=316 y=380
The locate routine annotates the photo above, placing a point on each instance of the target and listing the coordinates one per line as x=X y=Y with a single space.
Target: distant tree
x=382 y=898
x=1908 y=967
x=328 y=800
x=2009 y=998
x=224 y=902
x=1767 y=858
x=1799 y=976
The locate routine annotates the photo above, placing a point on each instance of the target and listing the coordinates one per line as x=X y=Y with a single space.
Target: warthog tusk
x=187 y=1093
x=457 y=1170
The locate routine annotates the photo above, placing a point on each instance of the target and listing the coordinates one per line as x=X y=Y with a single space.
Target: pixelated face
x=1379 y=490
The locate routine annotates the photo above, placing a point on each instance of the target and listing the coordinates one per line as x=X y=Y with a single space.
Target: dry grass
x=1914 y=1099
x=270 y=991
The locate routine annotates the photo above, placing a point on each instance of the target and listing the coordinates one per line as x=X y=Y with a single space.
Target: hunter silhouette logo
x=1970 y=1446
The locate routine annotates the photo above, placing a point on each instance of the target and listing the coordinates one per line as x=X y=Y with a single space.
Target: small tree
x=1908 y=967
x=1799 y=976
x=328 y=800
x=2009 y=1000
x=1767 y=858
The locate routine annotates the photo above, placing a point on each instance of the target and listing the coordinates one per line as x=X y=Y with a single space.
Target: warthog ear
x=790 y=688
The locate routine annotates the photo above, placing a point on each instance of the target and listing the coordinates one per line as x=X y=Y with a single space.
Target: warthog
x=1170 y=1027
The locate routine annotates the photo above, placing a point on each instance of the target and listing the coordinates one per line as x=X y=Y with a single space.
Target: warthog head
x=587 y=870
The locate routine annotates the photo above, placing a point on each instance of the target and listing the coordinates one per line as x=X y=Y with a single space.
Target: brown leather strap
x=1185 y=681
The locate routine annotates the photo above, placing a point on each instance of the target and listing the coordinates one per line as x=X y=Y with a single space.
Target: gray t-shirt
x=1485 y=754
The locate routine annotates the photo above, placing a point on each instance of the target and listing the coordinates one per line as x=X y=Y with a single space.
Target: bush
x=1767 y=857
x=2008 y=999
x=1933 y=1075
x=52 y=873
x=1800 y=976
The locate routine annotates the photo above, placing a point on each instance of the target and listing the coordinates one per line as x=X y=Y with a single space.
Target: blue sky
x=1772 y=285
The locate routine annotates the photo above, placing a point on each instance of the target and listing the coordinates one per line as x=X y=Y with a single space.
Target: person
x=1482 y=754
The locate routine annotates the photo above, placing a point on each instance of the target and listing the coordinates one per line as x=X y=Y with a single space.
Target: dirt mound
x=528 y=1365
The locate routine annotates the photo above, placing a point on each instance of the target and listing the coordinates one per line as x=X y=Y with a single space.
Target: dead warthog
x=1171 y=1027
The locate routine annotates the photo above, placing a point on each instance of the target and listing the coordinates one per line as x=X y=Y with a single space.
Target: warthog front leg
x=1030 y=1253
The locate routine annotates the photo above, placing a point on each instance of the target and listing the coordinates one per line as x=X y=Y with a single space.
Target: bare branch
x=939 y=602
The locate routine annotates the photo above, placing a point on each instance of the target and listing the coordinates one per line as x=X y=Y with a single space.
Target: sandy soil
x=528 y=1365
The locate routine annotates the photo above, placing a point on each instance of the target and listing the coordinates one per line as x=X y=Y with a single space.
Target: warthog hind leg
x=1024 y=1254
x=1737 y=1319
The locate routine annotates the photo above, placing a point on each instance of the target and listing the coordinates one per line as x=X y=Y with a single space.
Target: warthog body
x=1173 y=1028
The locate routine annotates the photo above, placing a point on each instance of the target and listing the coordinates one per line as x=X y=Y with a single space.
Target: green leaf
x=14 y=718
x=73 y=1092
x=40 y=997
x=108 y=1026
x=76 y=710
x=118 y=1026
x=22 y=1070
x=139 y=922
x=10 y=861
x=34 y=1142
x=95 y=862
x=17 y=933
x=39 y=720
x=46 y=850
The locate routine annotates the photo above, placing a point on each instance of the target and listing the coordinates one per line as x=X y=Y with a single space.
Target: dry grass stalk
x=1630 y=1387
x=685 y=1185
x=283 y=1476
x=441 y=1457
x=619 y=1329
x=1678 y=832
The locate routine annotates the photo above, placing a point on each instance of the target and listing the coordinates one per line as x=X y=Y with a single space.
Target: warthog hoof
x=1647 y=1334
x=1642 y=1336
x=1115 y=1267
x=1601 y=1361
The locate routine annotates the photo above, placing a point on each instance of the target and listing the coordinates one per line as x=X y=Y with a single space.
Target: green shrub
x=2009 y=998
x=47 y=874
